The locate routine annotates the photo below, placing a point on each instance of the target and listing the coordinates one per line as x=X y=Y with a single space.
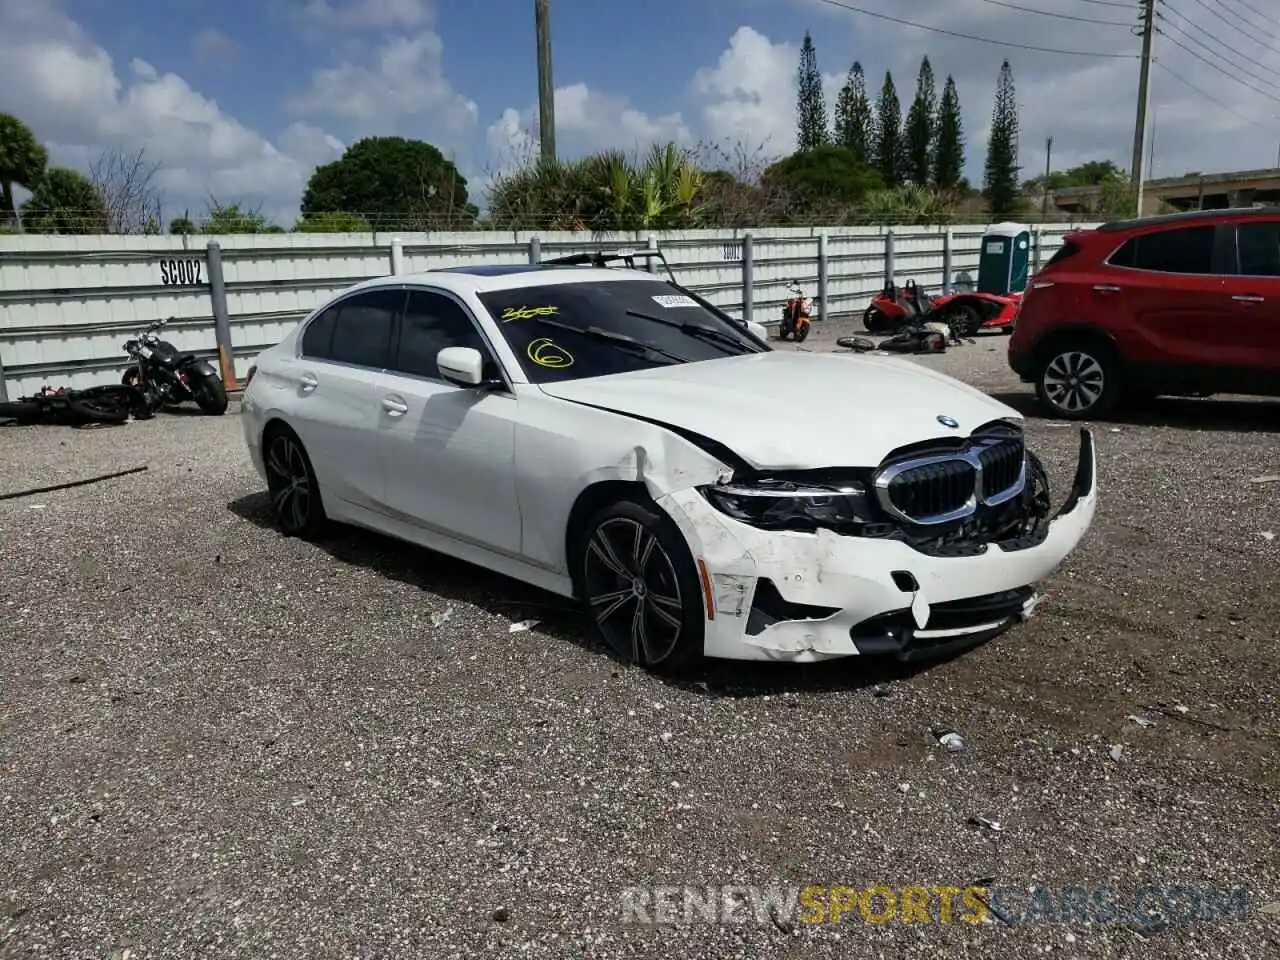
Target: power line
x=1258 y=13
x=1230 y=24
x=1231 y=63
x=1225 y=73
x=976 y=39
x=1059 y=16
x=1110 y=3
x=1208 y=96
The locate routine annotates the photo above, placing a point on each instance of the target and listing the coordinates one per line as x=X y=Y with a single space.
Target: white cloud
x=67 y=89
x=403 y=81
x=587 y=121
x=748 y=97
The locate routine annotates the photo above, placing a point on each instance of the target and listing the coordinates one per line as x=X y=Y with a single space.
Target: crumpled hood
x=790 y=410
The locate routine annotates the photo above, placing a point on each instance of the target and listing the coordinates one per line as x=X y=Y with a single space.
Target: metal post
x=748 y=277
x=546 y=85
x=947 y=240
x=397 y=257
x=823 y=276
x=652 y=244
x=221 y=318
x=1137 y=172
x=4 y=391
x=535 y=250
x=888 y=259
x=1036 y=243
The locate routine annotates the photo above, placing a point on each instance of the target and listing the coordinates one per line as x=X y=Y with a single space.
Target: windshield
x=568 y=331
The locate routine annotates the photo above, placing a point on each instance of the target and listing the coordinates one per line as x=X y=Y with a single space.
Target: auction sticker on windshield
x=675 y=300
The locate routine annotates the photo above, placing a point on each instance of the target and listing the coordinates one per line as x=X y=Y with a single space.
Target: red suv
x=1186 y=305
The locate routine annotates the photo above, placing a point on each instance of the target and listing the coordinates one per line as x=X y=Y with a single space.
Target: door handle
x=1249 y=298
x=309 y=382
x=1105 y=288
x=395 y=406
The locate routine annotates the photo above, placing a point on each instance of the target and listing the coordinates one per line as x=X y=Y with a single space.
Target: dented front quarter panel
x=563 y=448
x=852 y=574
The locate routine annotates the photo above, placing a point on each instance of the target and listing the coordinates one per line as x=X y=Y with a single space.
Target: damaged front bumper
x=805 y=597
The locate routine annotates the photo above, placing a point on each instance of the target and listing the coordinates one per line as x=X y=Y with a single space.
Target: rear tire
x=291 y=481
x=22 y=412
x=964 y=319
x=641 y=589
x=874 y=321
x=1078 y=380
x=210 y=395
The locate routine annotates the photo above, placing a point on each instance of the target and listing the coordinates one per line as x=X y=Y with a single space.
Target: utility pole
x=546 y=87
x=1044 y=200
x=1147 y=24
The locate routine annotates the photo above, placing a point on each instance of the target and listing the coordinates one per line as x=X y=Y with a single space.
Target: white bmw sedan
x=611 y=437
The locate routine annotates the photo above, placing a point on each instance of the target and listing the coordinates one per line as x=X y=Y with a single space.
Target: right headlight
x=779 y=504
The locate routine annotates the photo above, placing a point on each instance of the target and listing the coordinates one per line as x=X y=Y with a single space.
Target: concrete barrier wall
x=67 y=304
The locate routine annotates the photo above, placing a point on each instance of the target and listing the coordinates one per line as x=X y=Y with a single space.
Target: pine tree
x=1001 y=175
x=948 y=152
x=921 y=127
x=888 y=153
x=854 y=122
x=811 y=107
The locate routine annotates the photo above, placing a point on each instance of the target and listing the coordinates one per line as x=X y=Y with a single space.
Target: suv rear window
x=1069 y=248
x=1181 y=250
x=1259 y=249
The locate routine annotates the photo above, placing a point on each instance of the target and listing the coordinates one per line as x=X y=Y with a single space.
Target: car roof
x=488 y=277
x=1191 y=217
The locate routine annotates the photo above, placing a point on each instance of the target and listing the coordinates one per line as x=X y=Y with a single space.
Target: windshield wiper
x=693 y=329
x=609 y=336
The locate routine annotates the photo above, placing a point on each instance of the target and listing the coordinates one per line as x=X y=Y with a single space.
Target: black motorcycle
x=169 y=376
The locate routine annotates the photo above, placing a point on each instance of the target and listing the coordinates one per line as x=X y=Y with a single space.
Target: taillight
x=248 y=377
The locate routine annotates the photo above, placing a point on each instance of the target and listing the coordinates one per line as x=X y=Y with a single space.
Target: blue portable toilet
x=1004 y=263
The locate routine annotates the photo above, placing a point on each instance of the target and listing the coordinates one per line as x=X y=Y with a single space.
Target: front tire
x=210 y=395
x=291 y=482
x=641 y=589
x=1078 y=381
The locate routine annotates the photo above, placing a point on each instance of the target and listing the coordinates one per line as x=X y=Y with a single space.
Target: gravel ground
x=217 y=742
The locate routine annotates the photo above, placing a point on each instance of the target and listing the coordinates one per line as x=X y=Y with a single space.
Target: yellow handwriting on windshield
x=546 y=354
x=528 y=313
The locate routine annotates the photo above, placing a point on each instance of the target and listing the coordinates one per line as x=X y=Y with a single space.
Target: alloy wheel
x=633 y=591
x=289 y=482
x=1073 y=381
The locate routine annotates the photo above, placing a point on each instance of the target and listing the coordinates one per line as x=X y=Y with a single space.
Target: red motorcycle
x=966 y=312
x=795 y=315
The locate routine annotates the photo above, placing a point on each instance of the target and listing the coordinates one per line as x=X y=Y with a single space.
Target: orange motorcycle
x=795 y=315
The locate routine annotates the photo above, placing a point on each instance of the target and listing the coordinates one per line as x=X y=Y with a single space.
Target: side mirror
x=758 y=330
x=461 y=365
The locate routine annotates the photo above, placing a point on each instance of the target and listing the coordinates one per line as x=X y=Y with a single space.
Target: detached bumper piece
x=954 y=625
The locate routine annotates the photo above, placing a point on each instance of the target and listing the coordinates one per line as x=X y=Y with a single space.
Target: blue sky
x=243 y=99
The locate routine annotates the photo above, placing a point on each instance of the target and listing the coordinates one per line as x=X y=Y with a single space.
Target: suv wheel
x=1078 y=381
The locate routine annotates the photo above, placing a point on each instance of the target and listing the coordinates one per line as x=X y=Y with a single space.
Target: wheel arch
x=1081 y=333
x=590 y=500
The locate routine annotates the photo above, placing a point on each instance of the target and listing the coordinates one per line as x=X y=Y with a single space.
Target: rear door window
x=1258 y=249
x=362 y=333
x=317 y=339
x=1180 y=250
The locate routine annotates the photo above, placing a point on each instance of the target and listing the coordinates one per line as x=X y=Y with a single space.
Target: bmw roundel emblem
x=947 y=421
